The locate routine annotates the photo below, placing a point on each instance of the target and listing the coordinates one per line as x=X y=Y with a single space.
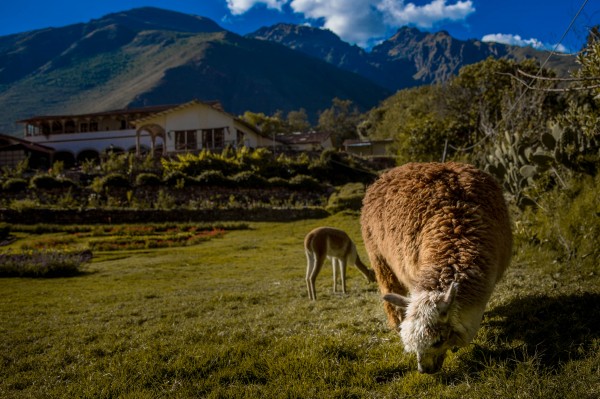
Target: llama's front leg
x=310 y=264
x=311 y=275
x=388 y=282
x=342 y=265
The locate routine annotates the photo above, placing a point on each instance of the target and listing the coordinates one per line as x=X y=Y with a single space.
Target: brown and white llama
x=438 y=236
x=334 y=244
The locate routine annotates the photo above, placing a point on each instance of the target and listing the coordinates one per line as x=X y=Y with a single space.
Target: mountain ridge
x=117 y=61
x=151 y=56
x=424 y=57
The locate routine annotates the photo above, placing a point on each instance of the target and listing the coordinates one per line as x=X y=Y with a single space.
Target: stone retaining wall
x=117 y=216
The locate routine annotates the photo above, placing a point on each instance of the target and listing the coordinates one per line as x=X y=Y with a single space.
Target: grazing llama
x=438 y=236
x=334 y=244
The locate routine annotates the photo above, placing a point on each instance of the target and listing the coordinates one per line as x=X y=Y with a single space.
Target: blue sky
x=540 y=23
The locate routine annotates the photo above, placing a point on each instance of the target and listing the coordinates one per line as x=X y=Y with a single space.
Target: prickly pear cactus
x=518 y=163
x=508 y=162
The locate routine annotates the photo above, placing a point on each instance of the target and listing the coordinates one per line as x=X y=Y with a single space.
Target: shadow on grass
x=388 y=375
x=551 y=330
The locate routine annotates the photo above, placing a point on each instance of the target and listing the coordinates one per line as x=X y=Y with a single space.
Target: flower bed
x=48 y=263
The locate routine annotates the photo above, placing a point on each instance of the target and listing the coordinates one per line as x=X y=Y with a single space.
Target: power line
x=527 y=86
x=548 y=58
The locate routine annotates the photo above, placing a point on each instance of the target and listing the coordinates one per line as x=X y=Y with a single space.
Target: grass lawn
x=230 y=318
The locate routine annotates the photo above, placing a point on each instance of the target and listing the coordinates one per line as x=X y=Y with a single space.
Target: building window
x=33 y=130
x=46 y=128
x=213 y=138
x=83 y=127
x=185 y=140
x=239 y=139
x=70 y=126
x=93 y=126
x=57 y=127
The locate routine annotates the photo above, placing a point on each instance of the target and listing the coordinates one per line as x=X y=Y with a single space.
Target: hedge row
x=209 y=178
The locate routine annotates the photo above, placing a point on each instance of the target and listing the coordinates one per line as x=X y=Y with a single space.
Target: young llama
x=336 y=245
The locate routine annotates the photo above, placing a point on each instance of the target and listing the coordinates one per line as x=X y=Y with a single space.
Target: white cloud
x=363 y=21
x=353 y=20
x=397 y=13
x=238 y=7
x=516 y=40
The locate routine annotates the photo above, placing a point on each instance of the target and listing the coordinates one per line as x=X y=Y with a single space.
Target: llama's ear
x=447 y=298
x=397 y=300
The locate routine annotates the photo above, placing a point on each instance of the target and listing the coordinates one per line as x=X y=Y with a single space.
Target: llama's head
x=426 y=328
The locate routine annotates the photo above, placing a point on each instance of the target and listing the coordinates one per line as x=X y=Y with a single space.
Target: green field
x=229 y=317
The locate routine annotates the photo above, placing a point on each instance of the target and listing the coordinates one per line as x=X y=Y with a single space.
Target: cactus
x=509 y=163
x=517 y=163
x=573 y=149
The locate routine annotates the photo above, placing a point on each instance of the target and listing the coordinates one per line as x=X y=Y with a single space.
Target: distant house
x=165 y=129
x=195 y=126
x=14 y=150
x=309 y=141
x=368 y=148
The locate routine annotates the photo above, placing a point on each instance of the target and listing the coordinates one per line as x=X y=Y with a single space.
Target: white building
x=196 y=126
x=165 y=129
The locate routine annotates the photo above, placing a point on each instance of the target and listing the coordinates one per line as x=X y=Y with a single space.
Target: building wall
x=199 y=117
x=12 y=158
x=101 y=141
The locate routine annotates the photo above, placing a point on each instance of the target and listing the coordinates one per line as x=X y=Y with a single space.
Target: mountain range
x=408 y=58
x=151 y=56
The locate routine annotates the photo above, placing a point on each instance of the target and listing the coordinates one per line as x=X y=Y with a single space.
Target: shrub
x=194 y=165
x=67 y=200
x=249 y=180
x=278 y=182
x=23 y=204
x=48 y=182
x=67 y=184
x=15 y=185
x=164 y=200
x=339 y=168
x=177 y=179
x=110 y=181
x=44 y=182
x=305 y=183
x=148 y=180
x=567 y=221
x=348 y=196
x=4 y=231
x=43 y=263
x=212 y=178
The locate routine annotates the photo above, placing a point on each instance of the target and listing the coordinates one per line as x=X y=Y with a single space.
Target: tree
x=341 y=120
x=297 y=121
x=416 y=120
x=267 y=124
x=486 y=98
x=471 y=108
x=579 y=143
